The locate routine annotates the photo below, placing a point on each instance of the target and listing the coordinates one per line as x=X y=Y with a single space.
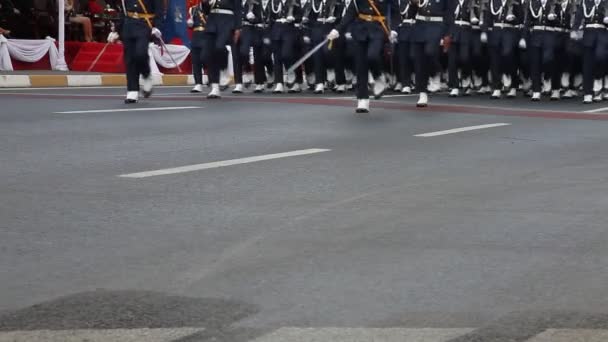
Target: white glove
x=348 y=36
x=113 y=37
x=190 y=22
x=576 y=35
x=266 y=41
x=552 y=16
x=331 y=20
x=522 y=44
x=16 y=11
x=393 y=37
x=483 y=37
x=606 y=20
x=510 y=17
x=250 y=16
x=290 y=19
x=474 y=21
x=305 y=20
x=156 y=33
x=333 y=34
x=306 y=39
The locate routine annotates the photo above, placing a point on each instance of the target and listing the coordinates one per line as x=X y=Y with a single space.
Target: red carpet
x=110 y=61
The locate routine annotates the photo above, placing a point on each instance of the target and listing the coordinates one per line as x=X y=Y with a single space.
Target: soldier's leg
x=535 y=58
x=141 y=55
x=337 y=57
x=278 y=63
x=131 y=65
x=362 y=68
x=453 y=80
x=496 y=70
x=375 y=56
x=464 y=61
x=197 y=69
x=588 y=70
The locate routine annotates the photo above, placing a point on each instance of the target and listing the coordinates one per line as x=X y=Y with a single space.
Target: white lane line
x=461 y=129
x=100 y=335
x=125 y=110
x=213 y=165
x=364 y=334
x=597 y=110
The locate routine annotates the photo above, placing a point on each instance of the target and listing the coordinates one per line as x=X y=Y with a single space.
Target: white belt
x=408 y=21
x=430 y=19
x=246 y=23
x=462 y=23
x=601 y=26
x=222 y=11
x=323 y=20
x=548 y=28
x=505 y=25
x=281 y=21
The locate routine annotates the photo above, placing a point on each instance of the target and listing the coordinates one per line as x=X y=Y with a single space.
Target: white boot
x=546 y=86
x=341 y=88
x=455 y=92
x=496 y=94
x=279 y=89
x=597 y=85
x=319 y=88
x=512 y=93
x=555 y=95
x=362 y=106
x=132 y=97
x=536 y=96
x=198 y=88
x=259 y=88
x=569 y=94
x=507 y=81
x=215 y=91
x=238 y=89
x=406 y=90
x=146 y=86
x=434 y=84
x=598 y=97
x=484 y=90
x=565 y=80
x=295 y=88
x=588 y=99
x=398 y=87
x=379 y=86
x=423 y=100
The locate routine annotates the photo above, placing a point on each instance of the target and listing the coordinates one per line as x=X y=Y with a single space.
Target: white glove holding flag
x=483 y=37
x=156 y=33
x=113 y=37
x=250 y=16
x=522 y=44
x=393 y=37
x=333 y=34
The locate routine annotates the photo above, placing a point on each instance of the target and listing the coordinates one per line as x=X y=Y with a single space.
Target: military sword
x=307 y=55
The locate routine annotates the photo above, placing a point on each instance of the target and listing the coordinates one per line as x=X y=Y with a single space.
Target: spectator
x=75 y=16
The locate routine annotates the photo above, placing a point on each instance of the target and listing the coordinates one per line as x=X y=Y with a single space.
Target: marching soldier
x=479 y=49
x=323 y=16
x=404 y=47
x=592 y=18
x=430 y=31
x=503 y=37
x=286 y=16
x=255 y=21
x=544 y=22
x=197 y=19
x=369 y=30
x=223 y=28
x=459 y=51
x=140 y=23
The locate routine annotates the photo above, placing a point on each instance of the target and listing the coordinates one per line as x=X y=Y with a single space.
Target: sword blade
x=307 y=55
x=98 y=56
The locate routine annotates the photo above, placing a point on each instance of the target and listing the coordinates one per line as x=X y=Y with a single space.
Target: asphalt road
x=496 y=233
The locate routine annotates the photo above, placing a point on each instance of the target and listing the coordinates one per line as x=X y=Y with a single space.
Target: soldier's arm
x=238 y=14
x=449 y=7
x=578 y=17
x=395 y=16
x=349 y=17
x=159 y=13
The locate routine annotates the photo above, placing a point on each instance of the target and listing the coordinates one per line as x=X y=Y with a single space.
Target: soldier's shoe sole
x=422 y=105
x=195 y=91
x=237 y=92
x=128 y=101
x=361 y=111
x=147 y=94
x=213 y=97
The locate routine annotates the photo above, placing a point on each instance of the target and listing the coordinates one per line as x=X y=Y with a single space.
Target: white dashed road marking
x=363 y=335
x=461 y=129
x=597 y=110
x=101 y=335
x=149 y=109
x=213 y=165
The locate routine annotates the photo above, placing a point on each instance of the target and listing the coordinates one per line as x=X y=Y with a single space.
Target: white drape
x=162 y=58
x=28 y=50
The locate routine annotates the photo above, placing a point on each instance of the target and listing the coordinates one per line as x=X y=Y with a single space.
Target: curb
x=27 y=81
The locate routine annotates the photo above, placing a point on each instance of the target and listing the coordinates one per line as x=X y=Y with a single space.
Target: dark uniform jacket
x=362 y=29
x=199 y=15
x=590 y=17
x=280 y=10
x=407 y=14
x=134 y=22
x=503 y=32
